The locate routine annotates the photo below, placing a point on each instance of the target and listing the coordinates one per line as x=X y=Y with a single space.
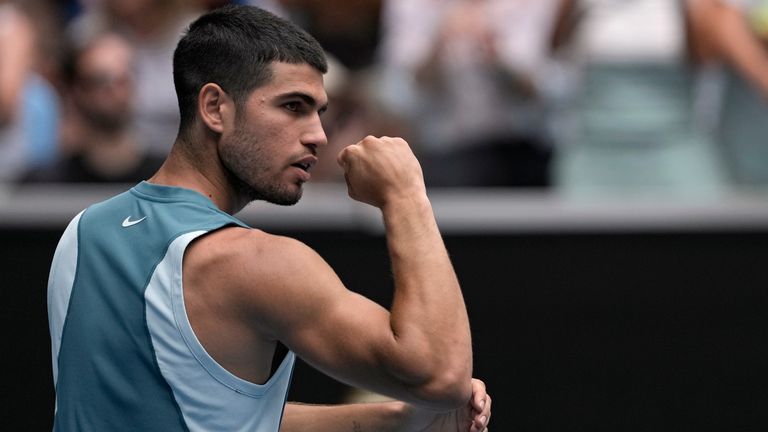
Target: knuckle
x=350 y=152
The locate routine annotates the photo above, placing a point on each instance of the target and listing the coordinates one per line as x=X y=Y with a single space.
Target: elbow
x=440 y=388
x=438 y=378
x=448 y=392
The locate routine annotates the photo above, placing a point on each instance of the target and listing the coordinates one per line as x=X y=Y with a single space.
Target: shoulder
x=251 y=259
x=236 y=244
x=270 y=278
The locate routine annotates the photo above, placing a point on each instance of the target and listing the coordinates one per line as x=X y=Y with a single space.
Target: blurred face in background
x=130 y=9
x=104 y=87
x=146 y=16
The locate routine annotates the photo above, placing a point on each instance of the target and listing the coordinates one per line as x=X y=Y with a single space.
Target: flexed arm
x=428 y=320
x=277 y=287
x=271 y=288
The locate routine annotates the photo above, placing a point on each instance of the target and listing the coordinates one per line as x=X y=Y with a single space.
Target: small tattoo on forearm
x=356 y=427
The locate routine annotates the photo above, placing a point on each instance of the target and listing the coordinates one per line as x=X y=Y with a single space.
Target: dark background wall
x=659 y=331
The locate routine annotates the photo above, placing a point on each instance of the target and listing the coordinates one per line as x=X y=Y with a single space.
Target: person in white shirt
x=472 y=77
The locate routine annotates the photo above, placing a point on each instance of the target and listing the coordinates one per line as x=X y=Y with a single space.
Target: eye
x=293 y=106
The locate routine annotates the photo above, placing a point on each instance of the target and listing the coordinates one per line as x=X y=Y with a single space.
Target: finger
x=480 y=422
x=481 y=419
x=479 y=427
x=479 y=395
x=487 y=409
x=348 y=153
x=367 y=141
x=342 y=156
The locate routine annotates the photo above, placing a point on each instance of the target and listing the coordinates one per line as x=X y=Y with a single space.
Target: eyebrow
x=309 y=100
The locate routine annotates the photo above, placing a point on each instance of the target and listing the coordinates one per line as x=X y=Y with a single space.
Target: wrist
x=406 y=201
x=410 y=418
x=416 y=419
x=398 y=417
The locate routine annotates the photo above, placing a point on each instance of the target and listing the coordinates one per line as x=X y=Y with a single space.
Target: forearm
x=380 y=417
x=425 y=354
x=428 y=315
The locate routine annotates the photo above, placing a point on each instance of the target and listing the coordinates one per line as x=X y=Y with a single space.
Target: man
x=98 y=137
x=142 y=342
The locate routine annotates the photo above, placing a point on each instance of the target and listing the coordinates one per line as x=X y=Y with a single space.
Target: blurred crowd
x=583 y=97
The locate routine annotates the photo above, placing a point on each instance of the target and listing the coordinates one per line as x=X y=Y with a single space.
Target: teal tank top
x=125 y=357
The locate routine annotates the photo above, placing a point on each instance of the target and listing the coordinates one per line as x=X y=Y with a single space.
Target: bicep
x=304 y=304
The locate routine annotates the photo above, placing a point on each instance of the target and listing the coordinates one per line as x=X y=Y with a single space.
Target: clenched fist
x=378 y=170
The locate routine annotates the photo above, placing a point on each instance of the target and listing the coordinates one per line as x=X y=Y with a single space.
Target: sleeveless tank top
x=124 y=354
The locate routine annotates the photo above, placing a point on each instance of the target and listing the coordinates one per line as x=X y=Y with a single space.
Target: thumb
x=343 y=157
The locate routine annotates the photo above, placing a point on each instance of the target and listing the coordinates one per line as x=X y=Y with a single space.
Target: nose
x=314 y=136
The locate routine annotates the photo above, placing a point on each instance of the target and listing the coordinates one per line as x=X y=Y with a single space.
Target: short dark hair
x=233 y=46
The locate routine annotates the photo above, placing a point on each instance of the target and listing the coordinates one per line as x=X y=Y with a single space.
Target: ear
x=215 y=107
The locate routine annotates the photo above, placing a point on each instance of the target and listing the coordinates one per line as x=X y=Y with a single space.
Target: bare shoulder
x=241 y=252
x=258 y=272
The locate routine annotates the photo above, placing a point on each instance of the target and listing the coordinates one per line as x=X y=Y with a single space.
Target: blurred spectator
x=153 y=27
x=633 y=126
x=97 y=129
x=734 y=33
x=28 y=101
x=473 y=78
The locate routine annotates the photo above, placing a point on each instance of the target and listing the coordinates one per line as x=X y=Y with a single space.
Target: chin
x=285 y=201
x=278 y=196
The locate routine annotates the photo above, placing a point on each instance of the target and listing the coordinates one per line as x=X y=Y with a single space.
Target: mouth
x=305 y=164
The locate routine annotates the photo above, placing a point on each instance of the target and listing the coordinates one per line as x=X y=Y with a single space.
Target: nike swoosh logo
x=128 y=222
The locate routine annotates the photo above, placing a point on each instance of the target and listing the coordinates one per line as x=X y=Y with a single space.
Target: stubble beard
x=244 y=160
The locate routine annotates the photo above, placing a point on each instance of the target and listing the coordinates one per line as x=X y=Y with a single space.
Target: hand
x=378 y=170
x=473 y=417
x=480 y=407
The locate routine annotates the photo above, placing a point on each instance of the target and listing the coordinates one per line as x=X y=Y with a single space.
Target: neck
x=201 y=173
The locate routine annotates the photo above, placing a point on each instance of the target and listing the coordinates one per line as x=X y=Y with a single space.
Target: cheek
x=234 y=153
x=243 y=155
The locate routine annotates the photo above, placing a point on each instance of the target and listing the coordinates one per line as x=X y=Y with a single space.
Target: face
x=276 y=135
x=104 y=87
